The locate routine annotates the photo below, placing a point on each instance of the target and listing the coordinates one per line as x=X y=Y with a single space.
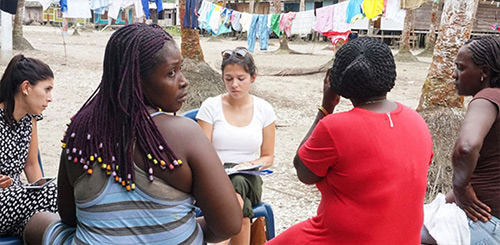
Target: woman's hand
x=5 y=181
x=467 y=200
x=330 y=98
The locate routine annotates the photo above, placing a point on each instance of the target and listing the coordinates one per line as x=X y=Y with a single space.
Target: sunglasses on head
x=239 y=53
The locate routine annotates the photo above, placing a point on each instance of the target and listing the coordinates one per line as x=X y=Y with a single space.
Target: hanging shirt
x=324 y=19
x=412 y=4
x=78 y=9
x=63 y=3
x=203 y=11
x=393 y=12
x=275 y=24
x=245 y=21
x=9 y=6
x=225 y=26
x=354 y=11
x=286 y=23
x=335 y=37
x=235 y=20
x=339 y=18
x=303 y=22
x=215 y=19
x=373 y=8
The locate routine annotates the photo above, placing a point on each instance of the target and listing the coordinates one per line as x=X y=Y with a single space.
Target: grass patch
x=173 y=30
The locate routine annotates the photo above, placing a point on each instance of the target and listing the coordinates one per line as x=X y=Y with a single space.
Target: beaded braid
x=115 y=119
x=363 y=68
x=486 y=51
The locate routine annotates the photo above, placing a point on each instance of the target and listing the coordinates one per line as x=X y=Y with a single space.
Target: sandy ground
x=295 y=100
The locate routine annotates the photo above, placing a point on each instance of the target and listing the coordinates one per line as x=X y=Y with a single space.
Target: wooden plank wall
x=487 y=15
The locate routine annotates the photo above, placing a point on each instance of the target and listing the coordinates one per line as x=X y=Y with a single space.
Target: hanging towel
x=373 y=8
x=339 y=18
x=335 y=37
x=225 y=26
x=446 y=222
x=245 y=21
x=215 y=19
x=78 y=9
x=303 y=22
x=275 y=24
x=412 y=4
x=235 y=21
x=393 y=12
x=354 y=11
x=324 y=19
x=286 y=23
x=207 y=16
x=145 y=6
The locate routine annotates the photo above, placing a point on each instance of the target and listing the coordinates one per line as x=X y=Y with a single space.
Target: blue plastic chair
x=12 y=240
x=260 y=210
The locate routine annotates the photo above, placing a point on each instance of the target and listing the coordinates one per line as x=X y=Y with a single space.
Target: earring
x=26 y=93
x=482 y=78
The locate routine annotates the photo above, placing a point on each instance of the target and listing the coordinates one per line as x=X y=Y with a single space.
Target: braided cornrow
x=486 y=51
x=115 y=118
x=363 y=68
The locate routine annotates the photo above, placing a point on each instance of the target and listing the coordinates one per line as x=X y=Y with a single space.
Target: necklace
x=372 y=101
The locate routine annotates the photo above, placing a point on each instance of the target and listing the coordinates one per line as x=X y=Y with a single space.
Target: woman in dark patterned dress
x=25 y=91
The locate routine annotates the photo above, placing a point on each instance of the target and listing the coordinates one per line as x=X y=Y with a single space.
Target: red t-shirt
x=375 y=176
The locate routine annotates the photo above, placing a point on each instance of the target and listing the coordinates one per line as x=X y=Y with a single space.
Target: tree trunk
x=302 y=6
x=456 y=24
x=404 y=54
x=251 y=6
x=283 y=41
x=190 y=39
x=430 y=38
x=18 y=41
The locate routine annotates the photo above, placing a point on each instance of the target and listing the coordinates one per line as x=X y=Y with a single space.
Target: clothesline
x=332 y=21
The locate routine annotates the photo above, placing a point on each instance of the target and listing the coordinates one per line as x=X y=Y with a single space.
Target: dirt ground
x=295 y=100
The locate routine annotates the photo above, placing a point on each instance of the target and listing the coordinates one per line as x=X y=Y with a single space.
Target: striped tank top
x=154 y=213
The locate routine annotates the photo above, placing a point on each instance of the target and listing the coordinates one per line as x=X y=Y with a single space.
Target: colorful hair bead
x=74 y=150
x=160 y=147
x=150 y=170
x=129 y=176
x=108 y=173
x=179 y=161
x=88 y=136
x=113 y=158
x=123 y=182
x=82 y=160
x=149 y=156
x=155 y=161
x=162 y=163
x=89 y=171
x=128 y=187
x=63 y=145
x=132 y=186
x=108 y=167
x=73 y=135
x=100 y=145
x=171 y=166
x=175 y=162
x=85 y=167
x=114 y=173
x=104 y=165
x=67 y=151
x=151 y=178
x=117 y=179
x=70 y=158
x=91 y=158
x=99 y=159
x=80 y=152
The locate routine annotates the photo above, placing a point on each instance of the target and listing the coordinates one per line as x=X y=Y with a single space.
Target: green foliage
x=173 y=30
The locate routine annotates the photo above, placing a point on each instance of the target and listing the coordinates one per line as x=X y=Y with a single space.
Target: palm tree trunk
x=190 y=39
x=456 y=24
x=18 y=41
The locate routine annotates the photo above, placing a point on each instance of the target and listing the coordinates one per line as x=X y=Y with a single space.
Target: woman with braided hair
x=370 y=163
x=130 y=172
x=476 y=154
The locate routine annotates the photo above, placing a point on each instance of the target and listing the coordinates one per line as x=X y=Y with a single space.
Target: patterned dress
x=17 y=204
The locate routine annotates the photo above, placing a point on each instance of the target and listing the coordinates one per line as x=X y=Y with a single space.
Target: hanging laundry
x=393 y=12
x=269 y=18
x=373 y=8
x=78 y=9
x=324 y=19
x=258 y=27
x=495 y=27
x=145 y=6
x=412 y=4
x=339 y=18
x=204 y=19
x=245 y=21
x=215 y=19
x=197 y=7
x=335 y=37
x=203 y=10
x=225 y=26
x=190 y=19
x=8 y=6
x=303 y=22
x=275 y=24
x=286 y=23
x=235 y=20
x=100 y=6
x=64 y=5
x=355 y=11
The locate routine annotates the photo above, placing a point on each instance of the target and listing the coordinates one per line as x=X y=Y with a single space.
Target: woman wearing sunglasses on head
x=241 y=128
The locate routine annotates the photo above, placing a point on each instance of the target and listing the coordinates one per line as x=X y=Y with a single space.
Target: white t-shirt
x=236 y=144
